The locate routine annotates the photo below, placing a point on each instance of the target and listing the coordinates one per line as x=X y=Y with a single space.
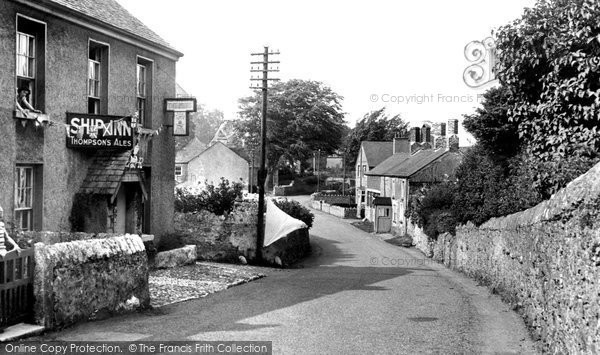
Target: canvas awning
x=108 y=171
x=382 y=201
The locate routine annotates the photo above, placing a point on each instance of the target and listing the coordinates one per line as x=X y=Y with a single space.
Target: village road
x=355 y=295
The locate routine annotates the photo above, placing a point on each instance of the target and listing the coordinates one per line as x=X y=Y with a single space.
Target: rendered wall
x=64 y=169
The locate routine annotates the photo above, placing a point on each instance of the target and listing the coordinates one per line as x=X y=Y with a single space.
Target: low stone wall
x=342 y=212
x=50 y=238
x=86 y=279
x=333 y=199
x=176 y=257
x=225 y=238
x=420 y=239
x=544 y=261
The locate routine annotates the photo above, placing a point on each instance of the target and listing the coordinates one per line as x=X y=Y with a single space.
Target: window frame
x=36 y=30
x=180 y=168
x=143 y=105
x=19 y=191
x=97 y=102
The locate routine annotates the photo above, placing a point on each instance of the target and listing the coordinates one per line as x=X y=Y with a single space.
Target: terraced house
x=429 y=155
x=86 y=145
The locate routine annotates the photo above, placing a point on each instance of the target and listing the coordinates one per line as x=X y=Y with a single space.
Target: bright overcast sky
x=359 y=49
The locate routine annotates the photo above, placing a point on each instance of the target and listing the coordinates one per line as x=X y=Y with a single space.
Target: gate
x=16 y=287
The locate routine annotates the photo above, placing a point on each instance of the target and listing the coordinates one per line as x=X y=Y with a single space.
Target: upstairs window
x=97 y=82
x=141 y=93
x=30 y=60
x=144 y=91
x=177 y=170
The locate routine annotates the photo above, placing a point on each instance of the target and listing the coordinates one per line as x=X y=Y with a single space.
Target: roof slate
x=105 y=173
x=405 y=165
x=376 y=152
x=112 y=13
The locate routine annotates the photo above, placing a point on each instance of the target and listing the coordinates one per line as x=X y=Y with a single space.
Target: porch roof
x=107 y=172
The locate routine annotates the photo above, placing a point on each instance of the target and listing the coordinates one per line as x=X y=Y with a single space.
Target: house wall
x=64 y=169
x=360 y=168
x=216 y=162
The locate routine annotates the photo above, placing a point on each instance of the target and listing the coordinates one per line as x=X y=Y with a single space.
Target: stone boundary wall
x=544 y=261
x=225 y=238
x=333 y=199
x=87 y=279
x=50 y=238
x=337 y=211
x=420 y=240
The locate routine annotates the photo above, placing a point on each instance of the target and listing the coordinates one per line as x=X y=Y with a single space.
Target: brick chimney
x=415 y=139
x=452 y=136
x=438 y=132
x=401 y=145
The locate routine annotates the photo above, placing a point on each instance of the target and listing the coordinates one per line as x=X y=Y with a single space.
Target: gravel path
x=183 y=283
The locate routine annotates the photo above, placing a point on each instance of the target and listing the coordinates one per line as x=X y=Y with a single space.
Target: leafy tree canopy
x=491 y=126
x=549 y=60
x=302 y=116
x=203 y=125
x=374 y=126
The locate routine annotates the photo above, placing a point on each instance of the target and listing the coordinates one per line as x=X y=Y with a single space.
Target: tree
x=374 y=126
x=549 y=60
x=302 y=117
x=203 y=125
x=492 y=127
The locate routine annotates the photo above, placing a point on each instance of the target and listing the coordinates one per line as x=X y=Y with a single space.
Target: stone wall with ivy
x=544 y=261
x=88 y=279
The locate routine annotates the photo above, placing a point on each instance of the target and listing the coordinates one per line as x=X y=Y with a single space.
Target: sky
x=407 y=56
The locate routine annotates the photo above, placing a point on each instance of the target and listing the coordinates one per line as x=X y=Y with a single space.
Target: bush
x=432 y=209
x=216 y=199
x=296 y=210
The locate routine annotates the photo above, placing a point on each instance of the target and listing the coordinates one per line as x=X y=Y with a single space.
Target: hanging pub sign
x=98 y=131
x=180 y=108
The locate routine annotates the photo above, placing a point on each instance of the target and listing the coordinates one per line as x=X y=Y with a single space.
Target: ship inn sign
x=88 y=131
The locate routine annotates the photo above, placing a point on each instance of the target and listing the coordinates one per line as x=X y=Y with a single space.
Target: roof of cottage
x=376 y=152
x=191 y=150
x=405 y=164
x=111 y=13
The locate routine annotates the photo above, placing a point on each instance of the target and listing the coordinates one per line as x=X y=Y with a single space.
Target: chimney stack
x=401 y=145
x=452 y=144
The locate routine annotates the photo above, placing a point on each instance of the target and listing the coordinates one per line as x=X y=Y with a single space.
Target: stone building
x=100 y=155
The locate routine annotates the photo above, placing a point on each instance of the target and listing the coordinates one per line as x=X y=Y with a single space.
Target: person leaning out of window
x=23 y=106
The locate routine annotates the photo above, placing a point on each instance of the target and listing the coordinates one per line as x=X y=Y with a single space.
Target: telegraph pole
x=264 y=68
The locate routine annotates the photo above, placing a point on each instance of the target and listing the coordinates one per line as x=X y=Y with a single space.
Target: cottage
x=86 y=146
x=370 y=155
x=427 y=156
x=215 y=162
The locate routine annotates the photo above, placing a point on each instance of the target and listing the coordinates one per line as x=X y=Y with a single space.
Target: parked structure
x=370 y=155
x=427 y=156
x=99 y=77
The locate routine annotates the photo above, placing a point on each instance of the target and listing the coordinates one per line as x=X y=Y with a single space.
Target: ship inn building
x=86 y=145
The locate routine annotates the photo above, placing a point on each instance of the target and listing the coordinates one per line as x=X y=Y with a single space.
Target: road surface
x=355 y=295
